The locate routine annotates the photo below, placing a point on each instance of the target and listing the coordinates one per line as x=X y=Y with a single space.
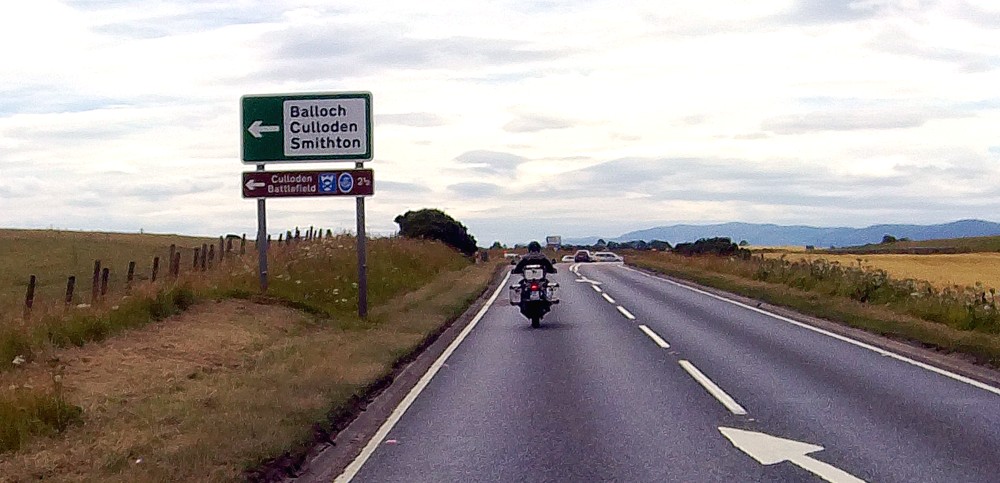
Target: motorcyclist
x=534 y=257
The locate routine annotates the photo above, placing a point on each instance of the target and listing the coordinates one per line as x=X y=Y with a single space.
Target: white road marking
x=716 y=391
x=656 y=338
x=628 y=315
x=383 y=431
x=596 y=288
x=769 y=450
x=608 y=298
x=877 y=350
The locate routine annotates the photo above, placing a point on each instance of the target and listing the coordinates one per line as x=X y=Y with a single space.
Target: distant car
x=607 y=257
x=568 y=258
x=583 y=256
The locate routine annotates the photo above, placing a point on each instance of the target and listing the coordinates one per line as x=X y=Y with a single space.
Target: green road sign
x=288 y=128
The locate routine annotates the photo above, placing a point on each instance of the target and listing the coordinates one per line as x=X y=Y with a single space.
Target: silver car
x=607 y=257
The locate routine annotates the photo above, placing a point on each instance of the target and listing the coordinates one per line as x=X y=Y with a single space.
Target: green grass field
x=969 y=244
x=54 y=255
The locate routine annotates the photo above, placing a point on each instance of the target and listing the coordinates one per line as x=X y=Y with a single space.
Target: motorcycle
x=534 y=294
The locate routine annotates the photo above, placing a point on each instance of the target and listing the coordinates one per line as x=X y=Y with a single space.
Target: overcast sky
x=519 y=118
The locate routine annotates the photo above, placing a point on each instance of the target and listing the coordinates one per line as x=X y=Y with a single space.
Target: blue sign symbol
x=327 y=183
x=346 y=182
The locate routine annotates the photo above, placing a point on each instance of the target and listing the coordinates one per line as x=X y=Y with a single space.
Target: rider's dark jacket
x=534 y=258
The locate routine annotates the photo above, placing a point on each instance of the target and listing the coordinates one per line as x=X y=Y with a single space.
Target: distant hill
x=778 y=235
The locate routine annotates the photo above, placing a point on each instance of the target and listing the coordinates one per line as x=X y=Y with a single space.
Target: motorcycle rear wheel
x=536 y=322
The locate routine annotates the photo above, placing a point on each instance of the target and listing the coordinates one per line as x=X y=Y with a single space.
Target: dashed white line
x=628 y=315
x=713 y=389
x=596 y=288
x=878 y=350
x=608 y=298
x=656 y=338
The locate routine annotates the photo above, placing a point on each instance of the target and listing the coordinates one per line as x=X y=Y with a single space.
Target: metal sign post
x=262 y=240
x=362 y=257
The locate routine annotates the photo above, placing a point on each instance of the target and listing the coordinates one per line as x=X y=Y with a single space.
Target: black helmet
x=534 y=247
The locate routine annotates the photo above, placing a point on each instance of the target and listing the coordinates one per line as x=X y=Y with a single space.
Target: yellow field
x=963 y=269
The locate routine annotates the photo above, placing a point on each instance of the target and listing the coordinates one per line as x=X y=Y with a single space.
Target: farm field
x=54 y=255
x=941 y=270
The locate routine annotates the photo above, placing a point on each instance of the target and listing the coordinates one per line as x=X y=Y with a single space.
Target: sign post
x=262 y=239
x=362 y=257
x=296 y=128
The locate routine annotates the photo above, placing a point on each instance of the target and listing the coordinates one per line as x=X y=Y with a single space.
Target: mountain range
x=820 y=237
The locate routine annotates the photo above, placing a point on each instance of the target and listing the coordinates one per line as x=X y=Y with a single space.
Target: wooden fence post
x=29 y=298
x=70 y=286
x=177 y=265
x=204 y=256
x=243 y=245
x=222 y=249
x=229 y=244
x=95 y=289
x=156 y=268
x=196 y=254
x=211 y=255
x=105 y=274
x=129 y=276
x=173 y=250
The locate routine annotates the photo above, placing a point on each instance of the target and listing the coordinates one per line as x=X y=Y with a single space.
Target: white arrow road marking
x=769 y=450
x=628 y=315
x=257 y=128
x=656 y=337
x=252 y=185
x=716 y=391
x=608 y=298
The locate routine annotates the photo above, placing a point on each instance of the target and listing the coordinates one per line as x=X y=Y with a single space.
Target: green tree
x=496 y=246
x=436 y=225
x=888 y=239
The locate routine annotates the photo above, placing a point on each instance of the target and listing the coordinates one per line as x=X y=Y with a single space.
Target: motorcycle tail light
x=534 y=286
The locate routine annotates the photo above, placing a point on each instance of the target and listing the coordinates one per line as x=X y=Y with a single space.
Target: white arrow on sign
x=252 y=185
x=257 y=128
x=768 y=450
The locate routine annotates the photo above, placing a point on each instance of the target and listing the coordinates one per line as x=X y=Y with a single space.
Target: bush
x=721 y=246
x=436 y=225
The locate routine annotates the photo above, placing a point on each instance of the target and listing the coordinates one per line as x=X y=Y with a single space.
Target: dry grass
x=207 y=394
x=942 y=270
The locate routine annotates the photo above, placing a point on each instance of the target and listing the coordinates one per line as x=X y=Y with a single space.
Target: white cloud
x=124 y=114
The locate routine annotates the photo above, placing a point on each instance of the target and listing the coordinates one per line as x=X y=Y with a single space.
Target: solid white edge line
x=716 y=391
x=608 y=298
x=656 y=338
x=628 y=315
x=596 y=288
x=878 y=350
x=383 y=431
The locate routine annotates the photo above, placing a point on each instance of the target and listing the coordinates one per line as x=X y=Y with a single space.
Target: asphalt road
x=635 y=378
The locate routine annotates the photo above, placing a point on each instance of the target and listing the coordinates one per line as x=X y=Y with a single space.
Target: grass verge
x=225 y=386
x=982 y=347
